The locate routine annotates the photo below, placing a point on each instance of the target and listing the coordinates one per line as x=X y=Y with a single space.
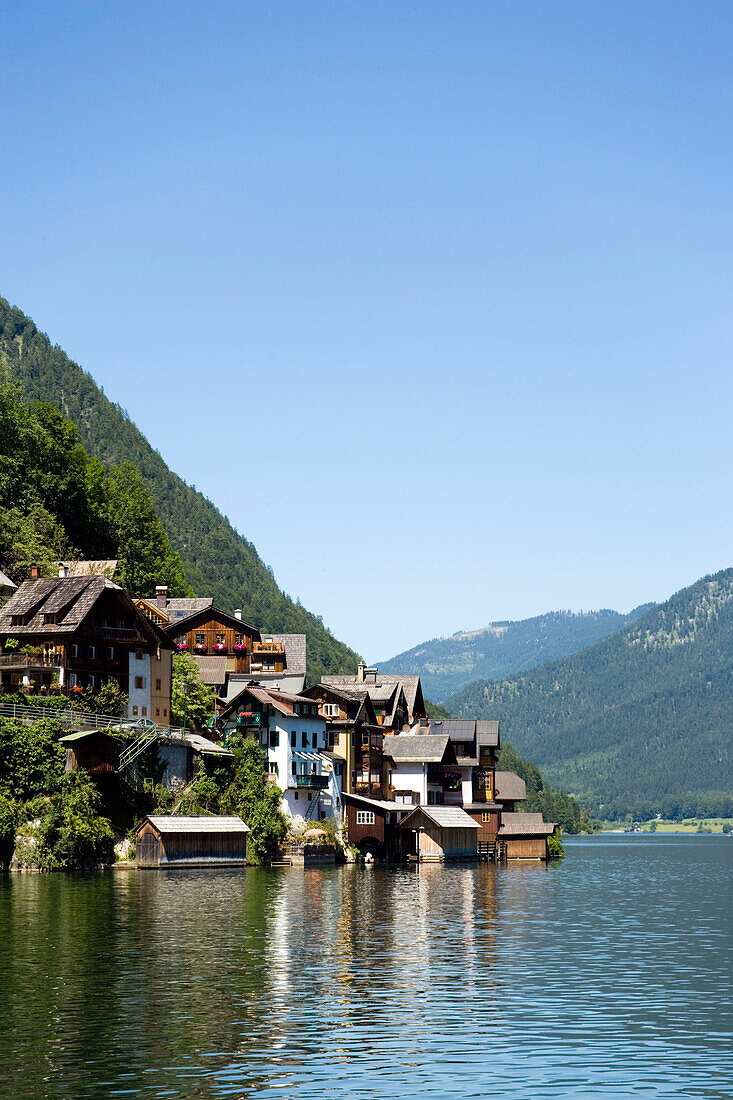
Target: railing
x=129 y=755
x=30 y=660
x=81 y=719
x=316 y=782
x=268 y=647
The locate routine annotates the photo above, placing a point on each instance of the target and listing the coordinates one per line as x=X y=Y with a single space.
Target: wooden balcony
x=31 y=660
x=268 y=647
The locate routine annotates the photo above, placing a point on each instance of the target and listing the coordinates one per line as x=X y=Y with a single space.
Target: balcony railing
x=315 y=782
x=268 y=647
x=31 y=660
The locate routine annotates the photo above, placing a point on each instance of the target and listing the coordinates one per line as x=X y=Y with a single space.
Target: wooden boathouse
x=436 y=833
x=170 y=841
x=524 y=836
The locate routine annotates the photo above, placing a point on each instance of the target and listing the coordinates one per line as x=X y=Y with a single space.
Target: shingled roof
x=510 y=786
x=525 y=825
x=406 y=747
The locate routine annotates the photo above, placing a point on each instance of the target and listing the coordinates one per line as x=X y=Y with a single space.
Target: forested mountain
x=57 y=503
x=445 y=665
x=217 y=561
x=640 y=722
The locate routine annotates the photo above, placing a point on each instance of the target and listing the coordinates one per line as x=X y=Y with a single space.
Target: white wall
x=411 y=777
x=139 y=697
x=302 y=802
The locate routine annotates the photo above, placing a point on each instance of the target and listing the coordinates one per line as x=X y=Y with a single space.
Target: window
x=293 y=739
x=221 y=639
x=431 y=798
x=331 y=710
x=92 y=652
x=165 y=712
x=364 y=817
x=49 y=618
x=200 y=639
x=138 y=655
x=139 y=682
x=314 y=709
x=92 y=682
x=157 y=712
x=304 y=740
x=134 y=712
x=486 y=818
x=181 y=639
x=268 y=666
x=239 y=639
x=144 y=712
x=72 y=680
x=111 y=653
x=75 y=650
x=294 y=769
x=296 y=708
x=274 y=738
x=157 y=685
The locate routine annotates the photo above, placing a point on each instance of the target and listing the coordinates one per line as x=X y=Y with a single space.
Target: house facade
x=294 y=737
x=71 y=634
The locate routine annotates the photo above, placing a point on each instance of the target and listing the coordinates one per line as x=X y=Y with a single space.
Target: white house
x=296 y=742
x=418 y=775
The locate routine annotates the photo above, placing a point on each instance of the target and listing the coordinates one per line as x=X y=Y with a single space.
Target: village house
x=393 y=710
x=229 y=652
x=295 y=740
x=419 y=767
x=356 y=737
x=69 y=634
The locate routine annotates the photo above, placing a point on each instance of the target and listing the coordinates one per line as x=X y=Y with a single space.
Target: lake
x=608 y=975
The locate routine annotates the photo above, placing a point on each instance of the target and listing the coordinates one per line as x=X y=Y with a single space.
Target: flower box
x=182 y=647
x=218 y=648
x=201 y=649
x=240 y=648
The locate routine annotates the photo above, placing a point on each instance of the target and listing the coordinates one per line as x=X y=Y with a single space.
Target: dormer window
x=17 y=620
x=50 y=618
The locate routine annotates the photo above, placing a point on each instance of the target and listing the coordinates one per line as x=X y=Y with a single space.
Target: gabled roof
x=445 y=817
x=173 y=824
x=465 y=729
x=407 y=747
x=509 y=785
x=282 y=701
x=382 y=682
x=70 y=599
x=206 y=747
x=380 y=804
x=5 y=581
x=277 y=681
x=525 y=825
x=182 y=614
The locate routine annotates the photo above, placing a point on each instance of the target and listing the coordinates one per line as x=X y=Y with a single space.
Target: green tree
x=190 y=697
x=145 y=555
x=31 y=759
x=256 y=800
x=73 y=833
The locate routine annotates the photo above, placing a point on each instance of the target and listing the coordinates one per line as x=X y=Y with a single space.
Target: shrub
x=555 y=847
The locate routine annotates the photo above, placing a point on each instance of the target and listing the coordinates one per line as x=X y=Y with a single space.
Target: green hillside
x=217 y=560
x=446 y=665
x=640 y=722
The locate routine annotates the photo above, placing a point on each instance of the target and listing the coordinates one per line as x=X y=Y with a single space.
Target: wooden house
x=93 y=750
x=524 y=836
x=395 y=709
x=355 y=737
x=170 y=841
x=373 y=825
x=72 y=634
x=437 y=833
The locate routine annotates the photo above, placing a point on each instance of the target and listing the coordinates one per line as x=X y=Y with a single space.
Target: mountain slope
x=217 y=560
x=446 y=665
x=639 y=722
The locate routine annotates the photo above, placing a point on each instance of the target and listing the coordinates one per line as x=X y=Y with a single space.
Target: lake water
x=608 y=975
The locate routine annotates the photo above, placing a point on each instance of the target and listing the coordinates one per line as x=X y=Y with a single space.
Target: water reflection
x=607 y=976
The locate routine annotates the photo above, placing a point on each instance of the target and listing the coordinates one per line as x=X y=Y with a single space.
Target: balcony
x=268 y=647
x=369 y=790
x=314 y=782
x=31 y=660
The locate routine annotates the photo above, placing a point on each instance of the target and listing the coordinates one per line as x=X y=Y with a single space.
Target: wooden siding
x=357 y=833
x=526 y=848
x=209 y=628
x=438 y=844
x=188 y=849
x=489 y=828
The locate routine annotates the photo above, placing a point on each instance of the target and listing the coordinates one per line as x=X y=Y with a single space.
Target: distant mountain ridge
x=446 y=665
x=639 y=722
x=217 y=560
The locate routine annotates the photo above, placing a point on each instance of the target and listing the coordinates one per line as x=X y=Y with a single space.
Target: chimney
x=360 y=673
x=238 y=613
x=161 y=595
x=35 y=572
x=63 y=569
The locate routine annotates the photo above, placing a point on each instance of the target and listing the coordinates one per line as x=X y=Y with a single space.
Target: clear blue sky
x=433 y=300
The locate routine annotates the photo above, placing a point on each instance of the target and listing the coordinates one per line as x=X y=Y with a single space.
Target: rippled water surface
x=608 y=975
